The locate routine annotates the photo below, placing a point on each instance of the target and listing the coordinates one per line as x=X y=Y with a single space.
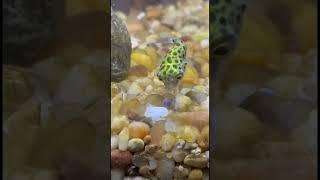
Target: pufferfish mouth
x=223 y=46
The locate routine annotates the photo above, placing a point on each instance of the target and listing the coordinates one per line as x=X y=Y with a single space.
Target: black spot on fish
x=169 y=59
x=171 y=71
x=174 y=53
x=175 y=66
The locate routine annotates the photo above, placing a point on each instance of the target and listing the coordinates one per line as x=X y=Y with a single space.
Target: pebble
x=197 y=96
x=165 y=169
x=181 y=172
x=114 y=142
x=191 y=75
x=117 y=174
x=139 y=57
x=153 y=12
x=167 y=103
x=134 y=116
x=138 y=71
x=196 y=174
x=188 y=133
x=205 y=69
x=154 y=99
x=167 y=142
x=140 y=160
x=197 y=119
x=157 y=131
x=118 y=123
x=182 y=102
x=135 y=145
x=150 y=149
x=135 y=89
x=138 y=129
x=133 y=171
x=179 y=155
x=147 y=139
x=180 y=144
x=145 y=171
x=170 y=126
x=131 y=104
x=153 y=164
x=120 y=159
x=155 y=113
x=197 y=161
x=203 y=140
x=190 y=146
x=123 y=139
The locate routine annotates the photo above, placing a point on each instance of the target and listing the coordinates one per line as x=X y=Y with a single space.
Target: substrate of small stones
x=156 y=134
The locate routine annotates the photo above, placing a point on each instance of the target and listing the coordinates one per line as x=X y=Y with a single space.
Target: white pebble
x=141 y=15
x=114 y=142
x=123 y=139
x=170 y=126
x=155 y=112
x=205 y=43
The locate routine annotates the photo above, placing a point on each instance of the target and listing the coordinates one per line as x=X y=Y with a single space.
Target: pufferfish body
x=173 y=65
x=225 y=25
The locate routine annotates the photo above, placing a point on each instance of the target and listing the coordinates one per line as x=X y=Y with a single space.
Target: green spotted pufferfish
x=173 y=65
x=225 y=25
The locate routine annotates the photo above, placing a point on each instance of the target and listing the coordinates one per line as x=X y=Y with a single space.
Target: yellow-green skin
x=174 y=64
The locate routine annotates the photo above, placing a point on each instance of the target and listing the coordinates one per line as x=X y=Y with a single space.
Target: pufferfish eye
x=179 y=77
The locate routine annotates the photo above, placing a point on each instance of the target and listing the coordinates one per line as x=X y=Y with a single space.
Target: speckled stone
x=120 y=49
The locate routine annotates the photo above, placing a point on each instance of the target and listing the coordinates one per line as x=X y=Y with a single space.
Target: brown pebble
x=147 y=139
x=144 y=171
x=151 y=148
x=120 y=159
x=133 y=115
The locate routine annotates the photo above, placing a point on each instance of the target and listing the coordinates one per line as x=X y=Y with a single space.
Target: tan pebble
x=182 y=102
x=203 y=140
x=135 y=89
x=157 y=131
x=118 y=123
x=153 y=12
x=132 y=104
x=138 y=129
x=205 y=69
x=134 y=26
x=195 y=174
x=167 y=142
x=123 y=139
x=188 y=133
x=154 y=99
x=138 y=70
x=198 y=119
